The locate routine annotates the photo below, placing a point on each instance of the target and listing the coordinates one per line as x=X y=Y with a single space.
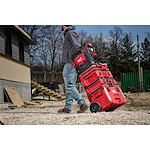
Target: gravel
x=46 y=114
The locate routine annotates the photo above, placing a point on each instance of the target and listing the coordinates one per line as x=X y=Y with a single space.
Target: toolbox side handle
x=94 y=90
x=93 y=83
x=122 y=93
x=107 y=94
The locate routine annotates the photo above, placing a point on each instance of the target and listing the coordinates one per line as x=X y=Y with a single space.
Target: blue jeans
x=70 y=77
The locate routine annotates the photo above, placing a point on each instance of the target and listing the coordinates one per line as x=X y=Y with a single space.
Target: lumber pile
x=46 y=91
x=13 y=97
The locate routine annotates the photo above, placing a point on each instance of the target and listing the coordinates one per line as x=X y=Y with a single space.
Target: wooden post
x=139 y=69
x=141 y=78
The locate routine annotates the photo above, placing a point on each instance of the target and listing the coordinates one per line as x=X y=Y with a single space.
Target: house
x=15 y=61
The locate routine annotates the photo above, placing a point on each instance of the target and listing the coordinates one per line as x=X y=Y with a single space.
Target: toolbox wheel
x=95 y=107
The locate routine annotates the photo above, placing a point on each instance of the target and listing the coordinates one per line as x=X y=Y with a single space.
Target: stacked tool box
x=101 y=88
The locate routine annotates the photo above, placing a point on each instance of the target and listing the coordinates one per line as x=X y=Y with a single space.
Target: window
x=8 y=48
x=21 y=52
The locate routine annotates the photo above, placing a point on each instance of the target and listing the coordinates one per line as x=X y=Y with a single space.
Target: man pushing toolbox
x=70 y=45
x=101 y=88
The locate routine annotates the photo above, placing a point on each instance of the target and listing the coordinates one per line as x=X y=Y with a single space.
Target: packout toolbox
x=101 y=88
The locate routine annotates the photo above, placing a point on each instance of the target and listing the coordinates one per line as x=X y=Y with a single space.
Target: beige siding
x=2 y=43
x=13 y=71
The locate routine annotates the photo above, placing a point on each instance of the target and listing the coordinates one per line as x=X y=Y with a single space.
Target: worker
x=70 y=45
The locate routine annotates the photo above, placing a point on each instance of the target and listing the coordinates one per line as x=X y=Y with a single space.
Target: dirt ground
x=135 y=112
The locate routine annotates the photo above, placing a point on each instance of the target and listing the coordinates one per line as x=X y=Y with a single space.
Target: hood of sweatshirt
x=69 y=28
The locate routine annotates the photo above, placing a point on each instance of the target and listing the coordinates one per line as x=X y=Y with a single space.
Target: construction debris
x=46 y=91
x=31 y=103
x=12 y=95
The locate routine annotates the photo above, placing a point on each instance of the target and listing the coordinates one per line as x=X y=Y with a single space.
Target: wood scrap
x=14 y=97
x=40 y=103
x=30 y=103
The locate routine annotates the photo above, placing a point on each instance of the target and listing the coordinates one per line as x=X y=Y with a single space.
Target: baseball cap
x=67 y=25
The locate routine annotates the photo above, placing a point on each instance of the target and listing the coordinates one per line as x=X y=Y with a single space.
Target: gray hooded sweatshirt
x=70 y=45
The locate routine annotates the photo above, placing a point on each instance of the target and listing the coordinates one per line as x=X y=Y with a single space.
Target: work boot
x=83 y=108
x=64 y=110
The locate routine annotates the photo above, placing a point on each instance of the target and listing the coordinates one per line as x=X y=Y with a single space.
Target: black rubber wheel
x=95 y=107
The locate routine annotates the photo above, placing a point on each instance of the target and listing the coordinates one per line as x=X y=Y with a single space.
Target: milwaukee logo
x=80 y=59
x=114 y=91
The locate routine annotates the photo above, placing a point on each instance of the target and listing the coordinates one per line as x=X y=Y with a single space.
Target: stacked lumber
x=47 y=91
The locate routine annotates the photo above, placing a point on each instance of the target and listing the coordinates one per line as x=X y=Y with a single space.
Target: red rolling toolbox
x=101 y=88
x=103 y=92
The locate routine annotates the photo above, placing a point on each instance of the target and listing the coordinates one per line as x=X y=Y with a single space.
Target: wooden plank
x=58 y=96
x=39 y=88
x=40 y=103
x=55 y=94
x=14 y=97
x=50 y=92
x=33 y=85
x=43 y=89
x=47 y=90
x=30 y=103
x=33 y=82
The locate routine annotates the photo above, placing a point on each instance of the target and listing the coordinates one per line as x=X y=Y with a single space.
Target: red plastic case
x=101 y=87
x=109 y=97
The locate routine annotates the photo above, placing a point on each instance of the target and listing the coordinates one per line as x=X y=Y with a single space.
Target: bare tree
x=116 y=34
x=31 y=29
x=54 y=39
x=82 y=36
x=148 y=35
x=34 y=31
x=47 y=52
